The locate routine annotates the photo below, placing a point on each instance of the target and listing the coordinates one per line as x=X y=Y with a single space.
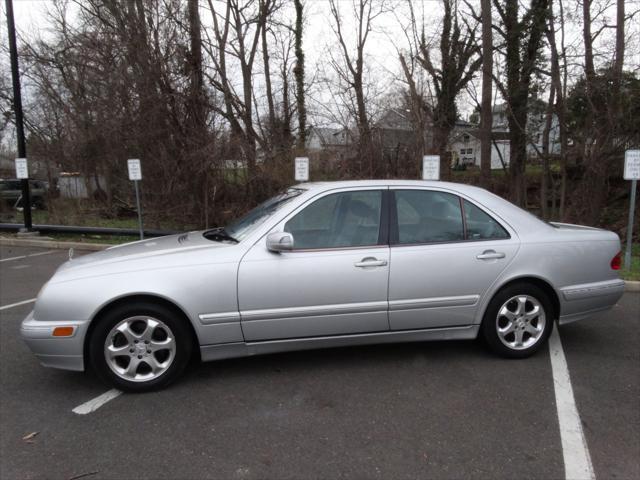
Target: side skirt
x=244 y=349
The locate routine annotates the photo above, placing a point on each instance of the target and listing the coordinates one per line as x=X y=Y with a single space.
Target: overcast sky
x=387 y=37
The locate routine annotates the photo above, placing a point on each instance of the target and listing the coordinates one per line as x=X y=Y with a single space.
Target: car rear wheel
x=140 y=347
x=518 y=321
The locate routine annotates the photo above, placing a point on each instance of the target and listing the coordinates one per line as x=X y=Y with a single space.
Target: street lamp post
x=17 y=108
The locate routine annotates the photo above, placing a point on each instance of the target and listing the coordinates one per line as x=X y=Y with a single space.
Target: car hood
x=144 y=249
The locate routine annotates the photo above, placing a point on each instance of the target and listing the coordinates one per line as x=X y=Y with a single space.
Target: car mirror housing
x=279 y=242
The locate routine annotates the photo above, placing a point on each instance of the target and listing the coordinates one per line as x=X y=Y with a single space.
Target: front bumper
x=57 y=352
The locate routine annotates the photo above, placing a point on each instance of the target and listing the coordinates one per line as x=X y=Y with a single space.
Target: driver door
x=335 y=279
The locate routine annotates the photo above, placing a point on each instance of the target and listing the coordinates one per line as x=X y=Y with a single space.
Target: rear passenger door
x=445 y=252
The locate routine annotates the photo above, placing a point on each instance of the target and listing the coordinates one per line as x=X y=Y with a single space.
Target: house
x=535 y=127
x=465 y=144
x=393 y=133
x=321 y=139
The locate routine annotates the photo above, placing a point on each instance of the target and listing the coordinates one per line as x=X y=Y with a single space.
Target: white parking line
x=95 y=403
x=577 y=461
x=24 y=302
x=28 y=256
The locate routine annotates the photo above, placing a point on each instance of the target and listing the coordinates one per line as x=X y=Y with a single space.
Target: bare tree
x=237 y=30
x=351 y=68
x=522 y=35
x=459 y=60
x=558 y=86
x=486 y=116
x=299 y=75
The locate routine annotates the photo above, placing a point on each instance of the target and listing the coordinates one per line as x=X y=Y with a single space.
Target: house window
x=462 y=151
x=469 y=151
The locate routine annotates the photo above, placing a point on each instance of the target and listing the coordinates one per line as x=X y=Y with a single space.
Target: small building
x=76 y=185
x=465 y=148
x=324 y=139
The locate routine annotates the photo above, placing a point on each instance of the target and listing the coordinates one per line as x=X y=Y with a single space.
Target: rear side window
x=481 y=226
x=428 y=216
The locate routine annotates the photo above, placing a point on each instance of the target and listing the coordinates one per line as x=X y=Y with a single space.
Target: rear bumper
x=584 y=300
x=57 y=352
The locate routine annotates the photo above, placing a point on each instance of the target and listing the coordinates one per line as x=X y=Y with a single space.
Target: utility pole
x=17 y=108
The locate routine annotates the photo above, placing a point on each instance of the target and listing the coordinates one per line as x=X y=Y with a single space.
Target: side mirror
x=279 y=242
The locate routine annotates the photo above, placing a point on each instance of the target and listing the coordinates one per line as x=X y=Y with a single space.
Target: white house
x=535 y=128
x=464 y=146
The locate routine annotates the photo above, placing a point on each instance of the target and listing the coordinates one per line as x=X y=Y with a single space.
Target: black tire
x=174 y=320
x=490 y=322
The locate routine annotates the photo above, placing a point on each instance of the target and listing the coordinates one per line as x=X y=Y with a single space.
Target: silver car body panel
x=256 y=301
x=243 y=349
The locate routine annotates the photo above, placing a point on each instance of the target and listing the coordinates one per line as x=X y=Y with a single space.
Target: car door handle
x=490 y=255
x=370 y=262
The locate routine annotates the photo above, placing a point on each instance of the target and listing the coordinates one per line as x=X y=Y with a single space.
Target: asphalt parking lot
x=426 y=410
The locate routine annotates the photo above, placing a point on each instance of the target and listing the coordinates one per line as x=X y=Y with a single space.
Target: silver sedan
x=325 y=265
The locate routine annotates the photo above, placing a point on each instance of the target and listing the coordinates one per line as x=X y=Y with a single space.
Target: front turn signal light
x=63 y=331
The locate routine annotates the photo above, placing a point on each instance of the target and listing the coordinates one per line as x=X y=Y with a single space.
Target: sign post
x=22 y=174
x=431 y=167
x=301 y=169
x=631 y=172
x=135 y=175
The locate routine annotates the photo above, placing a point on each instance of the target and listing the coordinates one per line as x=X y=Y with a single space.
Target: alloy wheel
x=520 y=322
x=140 y=349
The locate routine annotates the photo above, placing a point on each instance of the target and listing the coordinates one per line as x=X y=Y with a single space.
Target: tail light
x=616 y=262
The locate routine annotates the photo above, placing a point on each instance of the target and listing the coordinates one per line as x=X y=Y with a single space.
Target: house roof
x=475 y=132
x=331 y=136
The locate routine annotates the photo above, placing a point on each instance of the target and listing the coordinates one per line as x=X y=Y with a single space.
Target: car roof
x=522 y=221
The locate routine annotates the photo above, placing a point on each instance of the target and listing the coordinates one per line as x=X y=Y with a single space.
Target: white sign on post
x=135 y=170
x=302 y=169
x=632 y=165
x=431 y=167
x=22 y=169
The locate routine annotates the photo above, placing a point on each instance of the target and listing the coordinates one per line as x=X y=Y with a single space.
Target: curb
x=93 y=247
x=631 y=286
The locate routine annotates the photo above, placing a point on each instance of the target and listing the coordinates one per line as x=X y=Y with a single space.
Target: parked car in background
x=326 y=265
x=11 y=192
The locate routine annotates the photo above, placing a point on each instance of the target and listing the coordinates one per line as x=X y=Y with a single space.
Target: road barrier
x=14 y=227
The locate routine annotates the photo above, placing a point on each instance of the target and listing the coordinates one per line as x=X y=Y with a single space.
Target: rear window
x=480 y=226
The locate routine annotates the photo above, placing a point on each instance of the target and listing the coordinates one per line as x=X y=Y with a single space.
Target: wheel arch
x=156 y=299
x=541 y=283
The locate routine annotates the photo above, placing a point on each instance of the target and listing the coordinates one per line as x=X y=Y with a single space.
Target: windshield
x=242 y=227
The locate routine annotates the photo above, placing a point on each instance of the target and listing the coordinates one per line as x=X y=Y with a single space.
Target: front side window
x=481 y=226
x=428 y=216
x=345 y=219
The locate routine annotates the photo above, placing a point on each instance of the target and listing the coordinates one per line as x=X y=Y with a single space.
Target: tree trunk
x=560 y=108
x=616 y=99
x=267 y=81
x=486 y=117
x=546 y=173
x=298 y=73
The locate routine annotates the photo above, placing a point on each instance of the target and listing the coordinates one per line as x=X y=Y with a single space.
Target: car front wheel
x=140 y=347
x=518 y=321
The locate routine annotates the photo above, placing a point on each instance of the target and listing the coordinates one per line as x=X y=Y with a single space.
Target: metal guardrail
x=133 y=232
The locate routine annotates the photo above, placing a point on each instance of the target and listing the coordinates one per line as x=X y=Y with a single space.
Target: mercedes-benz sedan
x=325 y=265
